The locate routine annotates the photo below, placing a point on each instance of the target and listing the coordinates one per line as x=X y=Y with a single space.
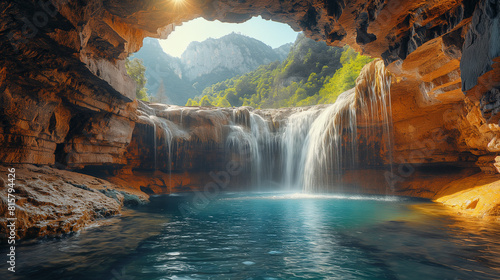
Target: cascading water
x=155 y=146
x=241 y=143
x=293 y=140
x=168 y=145
x=332 y=144
x=327 y=149
x=252 y=141
x=310 y=149
x=374 y=96
x=266 y=142
x=167 y=127
x=318 y=144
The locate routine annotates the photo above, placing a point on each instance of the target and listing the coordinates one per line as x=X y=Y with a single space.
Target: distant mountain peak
x=204 y=63
x=151 y=42
x=232 y=54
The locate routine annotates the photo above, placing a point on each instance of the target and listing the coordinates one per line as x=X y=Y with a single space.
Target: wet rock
x=53 y=202
x=124 y=198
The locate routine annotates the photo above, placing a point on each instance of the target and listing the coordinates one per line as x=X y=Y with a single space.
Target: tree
x=161 y=95
x=192 y=102
x=223 y=103
x=348 y=55
x=205 y=102
x=136 y=70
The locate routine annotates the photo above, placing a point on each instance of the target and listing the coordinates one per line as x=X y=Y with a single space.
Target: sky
x=272 y=33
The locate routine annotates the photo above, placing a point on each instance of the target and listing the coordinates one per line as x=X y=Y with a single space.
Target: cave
x=85 y=149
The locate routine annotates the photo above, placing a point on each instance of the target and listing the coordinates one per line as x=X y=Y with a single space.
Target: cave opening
x=307 y=141
x=60 y=155
x=306 y=75
x=257 y=63
x=231 y=69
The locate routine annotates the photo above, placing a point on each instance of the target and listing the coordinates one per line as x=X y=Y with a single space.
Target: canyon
x=67 y=103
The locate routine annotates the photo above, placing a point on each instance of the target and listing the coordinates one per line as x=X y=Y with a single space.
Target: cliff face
x=62 y=89
x=227 y=56
x=65 y=98
x=174 y=80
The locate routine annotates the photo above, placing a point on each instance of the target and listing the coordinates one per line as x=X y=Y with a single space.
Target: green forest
x=313 y=73
x=136 y=70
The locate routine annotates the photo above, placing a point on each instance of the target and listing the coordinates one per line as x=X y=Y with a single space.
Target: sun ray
x=180 y=4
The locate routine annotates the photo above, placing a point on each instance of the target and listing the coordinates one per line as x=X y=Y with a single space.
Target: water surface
x=273 y=236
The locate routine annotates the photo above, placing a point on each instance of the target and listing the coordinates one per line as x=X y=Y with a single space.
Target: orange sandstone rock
x=51 y=201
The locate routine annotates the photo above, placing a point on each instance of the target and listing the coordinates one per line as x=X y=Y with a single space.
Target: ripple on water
x=275 y=252
x=270 y=236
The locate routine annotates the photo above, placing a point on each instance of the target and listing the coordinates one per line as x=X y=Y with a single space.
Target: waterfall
x=241 y=143
x=168 y=128
x=374 y=96
x=330 y=145
x=168 y=146
x=319 y=145
x=264 y=155
x=309 y=148
x=154 y=140
x=250 y=138
x=332 y=142
x=293 y=143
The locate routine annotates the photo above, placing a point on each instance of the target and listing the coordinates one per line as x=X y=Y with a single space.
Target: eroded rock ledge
x=51 y=201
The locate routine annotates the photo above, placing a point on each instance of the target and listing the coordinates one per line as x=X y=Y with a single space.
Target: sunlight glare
x=179 y=3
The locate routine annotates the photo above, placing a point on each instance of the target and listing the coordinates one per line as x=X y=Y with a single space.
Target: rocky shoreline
x=53 y=202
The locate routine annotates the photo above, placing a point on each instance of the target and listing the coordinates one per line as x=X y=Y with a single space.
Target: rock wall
x=60 y=97
x=57 y=109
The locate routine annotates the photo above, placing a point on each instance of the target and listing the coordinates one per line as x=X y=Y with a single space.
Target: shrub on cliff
x=136 y=70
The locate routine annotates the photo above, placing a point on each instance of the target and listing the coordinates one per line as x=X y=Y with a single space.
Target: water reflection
x=274 y=236
x=88 y=254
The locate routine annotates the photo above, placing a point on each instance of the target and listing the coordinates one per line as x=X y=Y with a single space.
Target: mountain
x=174 y=80
x=313 y=73
x=164 y=74
x=283 y=51
x=223 y=58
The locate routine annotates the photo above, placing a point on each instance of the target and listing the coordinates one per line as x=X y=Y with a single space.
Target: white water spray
x=293 y=143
